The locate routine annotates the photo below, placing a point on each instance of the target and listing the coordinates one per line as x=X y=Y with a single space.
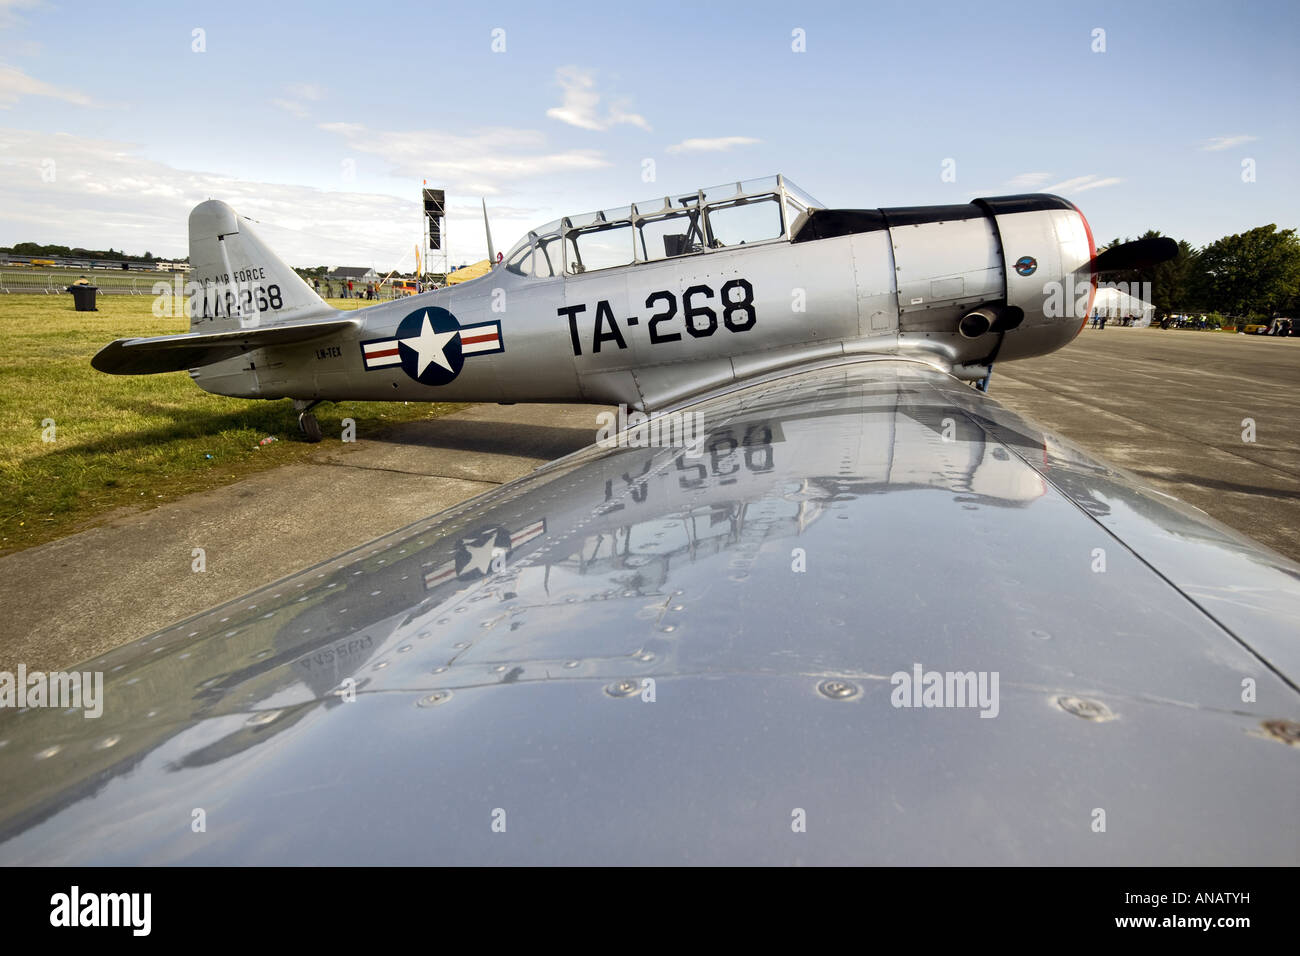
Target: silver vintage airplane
x=866 y=616
x=648 y=304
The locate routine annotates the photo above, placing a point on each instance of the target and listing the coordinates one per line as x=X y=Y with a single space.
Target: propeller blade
x=1137 y=254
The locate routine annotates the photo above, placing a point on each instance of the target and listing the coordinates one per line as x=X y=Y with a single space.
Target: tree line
x=1253 y=275
x=37 y=250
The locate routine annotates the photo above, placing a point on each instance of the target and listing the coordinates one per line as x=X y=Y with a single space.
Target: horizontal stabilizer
x=174 y=353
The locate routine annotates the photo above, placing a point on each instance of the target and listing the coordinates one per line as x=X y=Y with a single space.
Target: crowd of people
x=1099 y=319
x=346 y=290
x=1276 y=326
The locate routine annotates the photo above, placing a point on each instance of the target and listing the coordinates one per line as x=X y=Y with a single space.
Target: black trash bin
x=83 y=297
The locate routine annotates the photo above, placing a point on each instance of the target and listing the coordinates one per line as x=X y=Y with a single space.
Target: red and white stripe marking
x=524 y=535
x=440 y=575
x=384 y=352
x=485 y=338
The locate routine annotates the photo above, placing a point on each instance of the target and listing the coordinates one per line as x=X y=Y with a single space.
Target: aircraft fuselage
x=899 y=281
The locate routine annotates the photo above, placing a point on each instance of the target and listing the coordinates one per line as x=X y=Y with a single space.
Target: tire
x=309 y=427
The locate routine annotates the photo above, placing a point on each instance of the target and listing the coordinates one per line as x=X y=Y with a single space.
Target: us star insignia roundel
x=431 y=346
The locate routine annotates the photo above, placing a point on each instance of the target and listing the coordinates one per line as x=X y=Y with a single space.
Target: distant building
x=352 y=273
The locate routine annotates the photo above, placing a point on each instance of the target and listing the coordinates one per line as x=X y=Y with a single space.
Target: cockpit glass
x=547 y=260
x=521 y=260
x=651 y=206
x=745 y=221
x=718 y=217
x=767 y=184
x=600 y=247
x=675 y=234
x=797 y=195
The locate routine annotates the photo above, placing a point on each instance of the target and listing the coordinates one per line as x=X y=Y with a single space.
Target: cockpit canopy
x=719 y=217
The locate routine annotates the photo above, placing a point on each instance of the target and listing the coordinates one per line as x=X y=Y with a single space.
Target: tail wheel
x=309 y=427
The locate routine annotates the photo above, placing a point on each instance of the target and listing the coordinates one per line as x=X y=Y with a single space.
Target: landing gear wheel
x=309 y=427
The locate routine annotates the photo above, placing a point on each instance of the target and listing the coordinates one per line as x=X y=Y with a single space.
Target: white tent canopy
x=1115 y=305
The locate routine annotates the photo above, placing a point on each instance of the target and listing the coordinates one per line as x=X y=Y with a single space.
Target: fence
x=56 y=281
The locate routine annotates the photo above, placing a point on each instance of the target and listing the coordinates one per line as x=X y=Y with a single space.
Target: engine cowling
x=1003 y=277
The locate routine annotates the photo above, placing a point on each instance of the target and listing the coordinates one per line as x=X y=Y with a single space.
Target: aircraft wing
x=648 y=655
x=174 y=353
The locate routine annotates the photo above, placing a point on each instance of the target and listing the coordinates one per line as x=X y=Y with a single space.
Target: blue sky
x=320 y=120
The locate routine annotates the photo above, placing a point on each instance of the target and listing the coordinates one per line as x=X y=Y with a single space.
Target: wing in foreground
x=857 y=616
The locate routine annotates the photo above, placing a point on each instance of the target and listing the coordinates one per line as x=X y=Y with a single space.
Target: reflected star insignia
x=481 y=554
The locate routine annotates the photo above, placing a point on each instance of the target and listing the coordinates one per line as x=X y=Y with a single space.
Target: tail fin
x=242 y=284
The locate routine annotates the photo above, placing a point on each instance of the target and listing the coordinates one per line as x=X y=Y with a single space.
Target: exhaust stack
x=991 y=318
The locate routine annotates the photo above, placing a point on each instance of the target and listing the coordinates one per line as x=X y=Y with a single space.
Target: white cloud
x=9 y=11
x=582 y=103
x=714 y=145
x=15 y=84
x=306 y=91
x=293 y=107
x=488 y=158
x=1216 y=143
x=297 y=92
x=1082 y=183
x=1028 y=180
x=106 y=193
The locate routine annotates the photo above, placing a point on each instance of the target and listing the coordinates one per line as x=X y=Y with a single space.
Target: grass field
x=128 y=441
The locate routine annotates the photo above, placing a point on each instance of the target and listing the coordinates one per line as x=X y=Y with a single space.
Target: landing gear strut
x=307 y=423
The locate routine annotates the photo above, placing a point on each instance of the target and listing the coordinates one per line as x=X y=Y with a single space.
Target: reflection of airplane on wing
x=838 y=525
x=482 y=553
x=649 y=304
